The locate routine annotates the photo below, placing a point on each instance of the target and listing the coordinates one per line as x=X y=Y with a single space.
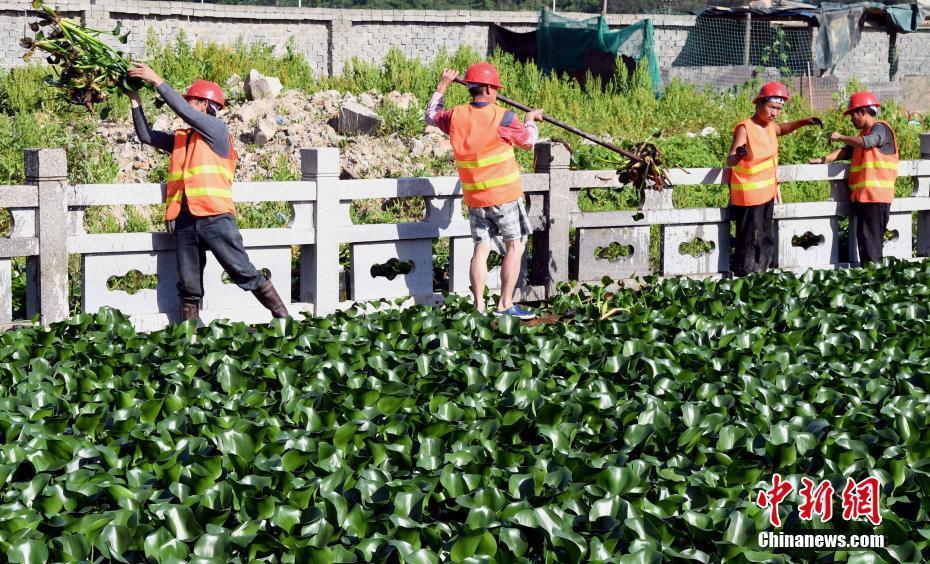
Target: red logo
x=817 y=501
x=861 y=500
x=771 y=498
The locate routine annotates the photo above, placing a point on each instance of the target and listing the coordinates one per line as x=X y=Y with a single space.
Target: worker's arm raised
x=163 y=140
x=435 y=114
x=789 y=126
x=447 y=78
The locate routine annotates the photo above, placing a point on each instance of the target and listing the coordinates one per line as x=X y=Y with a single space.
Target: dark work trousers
x=871 y=223
x=755 y=238
x=218 y=234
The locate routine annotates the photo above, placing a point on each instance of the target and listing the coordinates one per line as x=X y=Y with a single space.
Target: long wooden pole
x=567 y=127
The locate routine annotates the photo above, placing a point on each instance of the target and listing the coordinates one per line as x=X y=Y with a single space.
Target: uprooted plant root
x=88 y=70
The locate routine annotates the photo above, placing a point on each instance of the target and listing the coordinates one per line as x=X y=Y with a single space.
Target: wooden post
x=747 y=39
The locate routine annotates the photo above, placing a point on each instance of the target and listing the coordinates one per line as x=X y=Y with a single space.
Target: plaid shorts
x=507 y=222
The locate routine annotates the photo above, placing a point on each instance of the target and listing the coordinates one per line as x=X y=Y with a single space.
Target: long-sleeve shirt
x=211 y=128
x=523 y=135
x=879 y=136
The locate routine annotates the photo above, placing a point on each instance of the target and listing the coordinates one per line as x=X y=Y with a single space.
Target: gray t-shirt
x=211 y=128
x=880 y=136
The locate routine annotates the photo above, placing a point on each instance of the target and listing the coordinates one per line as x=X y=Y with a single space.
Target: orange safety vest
x=872 y=173
x=754 y=180
x=201 y=175
x=487 y=166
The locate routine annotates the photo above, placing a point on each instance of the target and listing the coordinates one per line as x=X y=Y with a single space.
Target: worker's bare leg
x=510 y=271
x=479 y=272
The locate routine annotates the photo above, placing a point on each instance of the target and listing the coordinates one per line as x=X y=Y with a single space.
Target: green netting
x=564 y=45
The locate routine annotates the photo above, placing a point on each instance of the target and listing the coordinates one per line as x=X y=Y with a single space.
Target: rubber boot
x=189 y=311
x=269 y=298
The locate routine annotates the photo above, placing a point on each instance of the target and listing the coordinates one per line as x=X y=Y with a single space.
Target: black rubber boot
x=269 y=298
x=189 y=311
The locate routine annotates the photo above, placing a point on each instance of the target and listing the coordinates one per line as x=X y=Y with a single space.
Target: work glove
x=742 y=151
x=816 y=121
x=169 y=226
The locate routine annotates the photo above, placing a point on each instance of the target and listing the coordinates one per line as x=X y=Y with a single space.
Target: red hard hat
x=772 y=90
x=206 y=90
x=861 y=100
x=483 y=73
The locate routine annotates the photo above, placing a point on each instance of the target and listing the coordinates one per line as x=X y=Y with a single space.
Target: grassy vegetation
x=625 y=109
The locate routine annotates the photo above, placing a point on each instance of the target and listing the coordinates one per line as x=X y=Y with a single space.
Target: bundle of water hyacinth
x=87 y=70
x=649 y=172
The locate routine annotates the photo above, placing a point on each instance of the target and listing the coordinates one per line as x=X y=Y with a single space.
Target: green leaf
x=27 y=551
x=618 y=480
x=237 y=443
x=213 y=546
x=465 y=547
x=181 y=522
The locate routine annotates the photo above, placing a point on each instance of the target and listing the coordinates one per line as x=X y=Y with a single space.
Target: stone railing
x=48 y=226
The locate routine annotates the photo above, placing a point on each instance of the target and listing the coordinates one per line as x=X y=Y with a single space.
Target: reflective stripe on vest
x=212 y=169
x=201 y=176
x=872 y=173
x=493 y=159
x=486 y=165
x=512 y=177
x=754 y=180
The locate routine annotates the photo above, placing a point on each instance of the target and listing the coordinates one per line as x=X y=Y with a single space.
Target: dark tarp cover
x=523 y=48
x=521 y=45
x=564 y=45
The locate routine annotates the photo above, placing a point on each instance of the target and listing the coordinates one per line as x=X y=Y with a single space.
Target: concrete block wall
x=913 y=53
x=11 y=31
x=328 y=38
x=371 y=40
x=310 y=38
x=669 y=42
x=868 y=62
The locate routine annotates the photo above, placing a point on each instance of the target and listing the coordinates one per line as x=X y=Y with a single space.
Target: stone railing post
x=922 y=190
x=319 y=263
x=922 y=183
x=48 y=170
x=550 y=254
x=656 y=200
x=839 y=190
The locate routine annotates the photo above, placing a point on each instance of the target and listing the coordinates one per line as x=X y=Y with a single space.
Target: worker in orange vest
x=872 y=172
x=483 y=135
x=199 y=208
x=753 y=162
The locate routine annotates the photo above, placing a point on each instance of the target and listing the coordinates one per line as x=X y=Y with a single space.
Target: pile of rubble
x=274 y=124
